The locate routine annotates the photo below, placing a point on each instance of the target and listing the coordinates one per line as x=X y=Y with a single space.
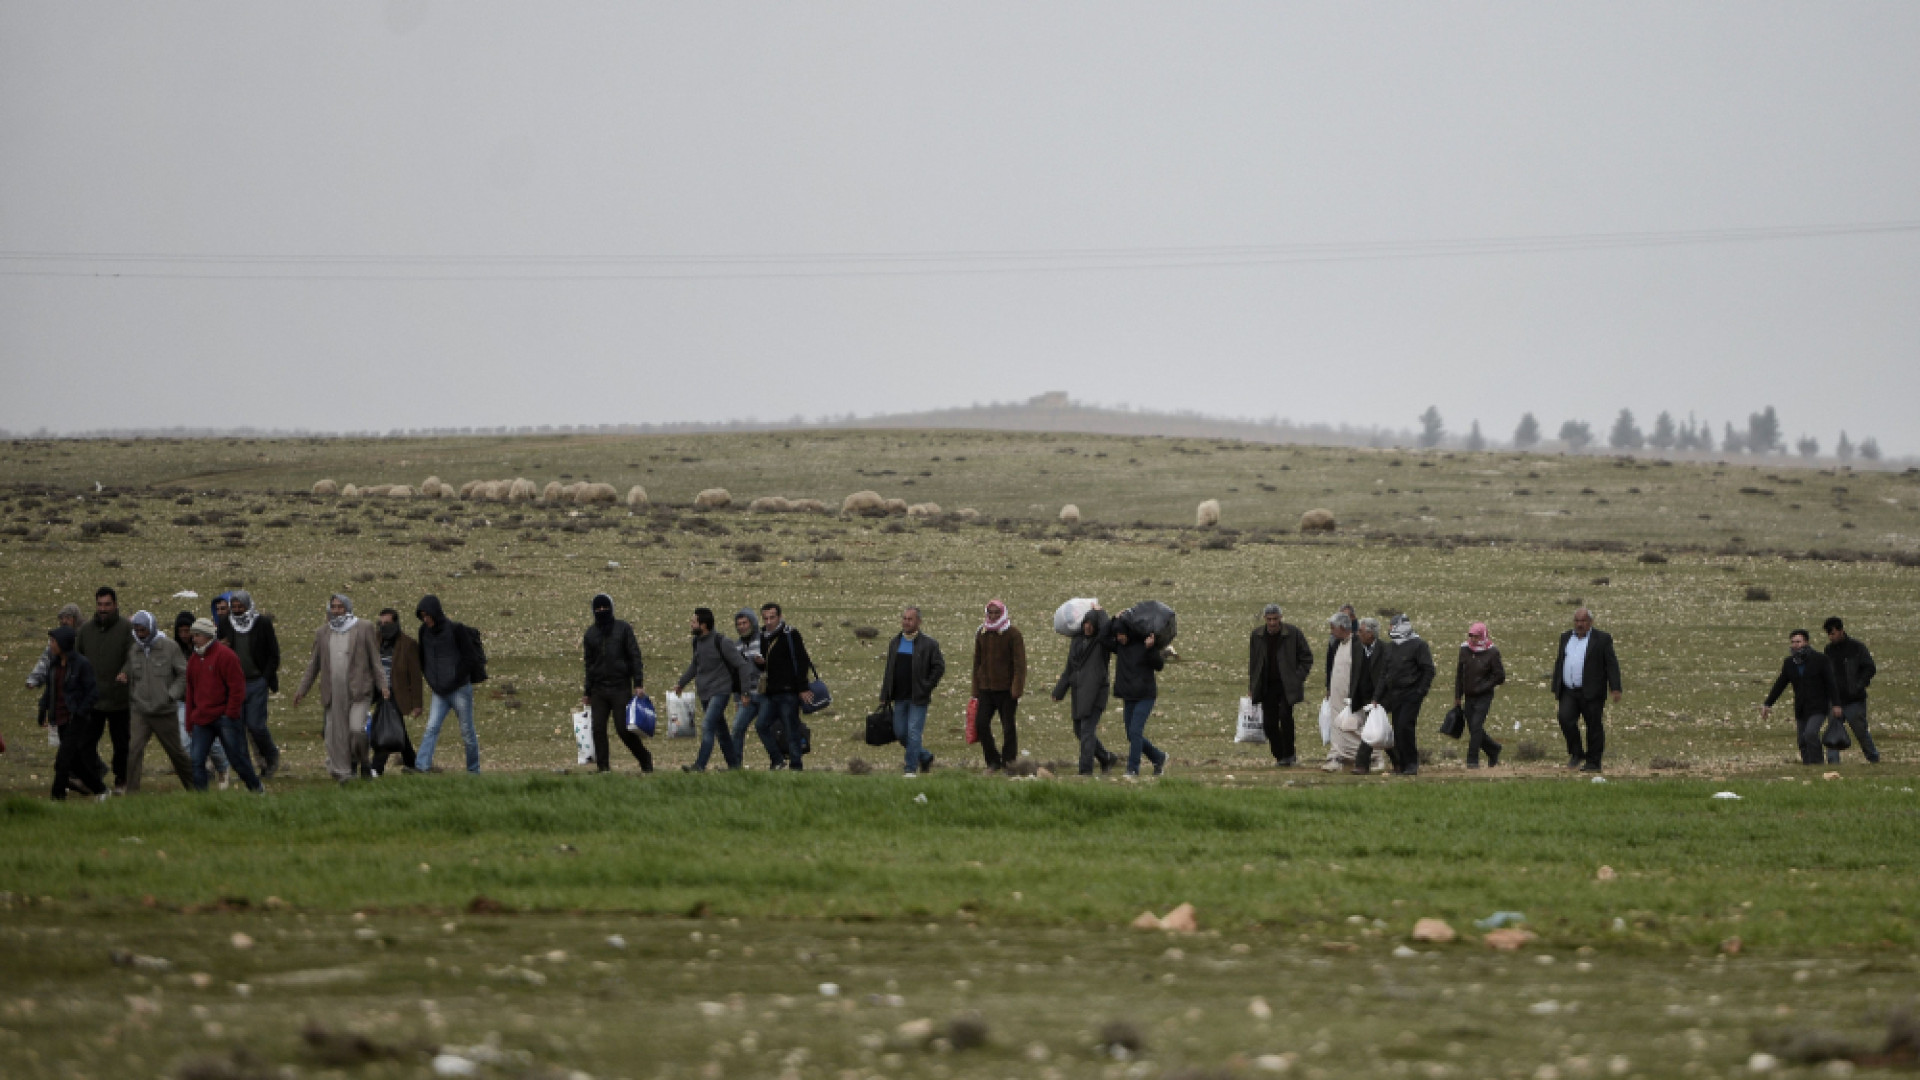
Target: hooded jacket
x=717 y=669
x=81 y=688
x=750 y=648
x=1085 y=676
x=156 y=675
x=1134 y=665
x=612 y=655
x=446 y=660
x=1296 y=663
x=929 y=667
x=106 y=647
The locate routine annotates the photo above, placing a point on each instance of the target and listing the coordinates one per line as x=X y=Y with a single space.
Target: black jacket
x=1296 y=662
x=1134 y=665
x=787 y=661
x=1086 y=672
x=929 y=666
x=446 y=659
x=1812 y=682
x=1363 y=687
x=264 y=645
x=1406 y=674
x=1853 y=670
x=1477 y=673
x=612 y=659
x=1602 y=671
x=82 y=690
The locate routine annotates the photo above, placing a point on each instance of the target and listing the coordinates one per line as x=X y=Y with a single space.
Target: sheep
x=924 y=510
x=868 y=503
x=325 y=487
x=1208 y=514
x=769 y=504
x=467 y=489
x=430 y=485
x=349 y=492
x=596 y=493
x=713 y=499
x=896 y=507
x=1317 y=521
x=551 y=493
x=967 y=513
x=376 y=489
x=493 y=490
x=1069 y=515
x=399 y=491
x=809 y=506
x=437 y=489
x=636 y=498
x=568 y=491
x=522 y=490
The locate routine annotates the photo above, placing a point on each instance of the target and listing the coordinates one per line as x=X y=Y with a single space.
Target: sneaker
x=926 y=763
x=1160 y=767
x=1131 y=774
x=1107 y=763
x=121 y=790
x=1286 y=763
x=1493 y=756
x=1332 y=766
x=909 y=775
x=1473 y=764
x=689 y=768
x=1590 y=767
x=1575 y=761
x=225 y=780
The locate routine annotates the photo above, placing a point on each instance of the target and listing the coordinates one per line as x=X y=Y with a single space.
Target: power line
x=205 y=266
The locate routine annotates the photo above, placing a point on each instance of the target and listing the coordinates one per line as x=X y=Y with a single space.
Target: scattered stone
x=1181 y=920
x=344 y=1049
x=1404 y=953
x=1830 y=776
x=915 y=1032
x=1605 y=873
x=712 y=1010
x=967 y=1031
x=1435 y=931
x=1732 y=946
x=1509 y=939
x=454 y=1065
x=1259 y=1009
x=127 y=958
x=1146 y=920
x=1277 y=1063
x=1761 y=1062
x=240 y=940
x=829 y=989
x=615 y=941
x=1043 y=773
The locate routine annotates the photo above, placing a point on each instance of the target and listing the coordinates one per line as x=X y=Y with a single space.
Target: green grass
x=1824 y=865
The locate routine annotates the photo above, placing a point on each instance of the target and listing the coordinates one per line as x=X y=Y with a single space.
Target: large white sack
x=1068 y=616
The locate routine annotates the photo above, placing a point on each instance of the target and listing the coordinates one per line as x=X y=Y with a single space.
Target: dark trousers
x=1276 y=719
x=1573 y=709
x=1405 y=754
x=1474 y=710
x=255 y=720
x=231 y=734
x=381 y=761
x=1855 y=717
x=1091 y=752
x=1810 y=728
x=115 y=725
x=781 y=713
x=76 y=760
x=999 y=703
x=605 y=703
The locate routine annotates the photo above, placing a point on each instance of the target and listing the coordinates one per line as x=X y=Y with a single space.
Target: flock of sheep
x=858 y=504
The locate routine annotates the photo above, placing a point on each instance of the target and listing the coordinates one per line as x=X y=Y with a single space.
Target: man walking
x=69 y=694
x=400 y=662
x=183 y=638
x=254 y=642
x=216 y=696
x=615 y=676
x=156 y=680
x=1853 y=672
x=346 y=660
x=753 y=711
x=1406 y=675
x=914 y=667
x=718 y=672
x=1585 y=670
x=1278 y=662
x=1814 y=699
x=1367 y=659
x=999 y=681
x=1085 y=677
x=450 y=662
x=105 y=641
x=784 y=659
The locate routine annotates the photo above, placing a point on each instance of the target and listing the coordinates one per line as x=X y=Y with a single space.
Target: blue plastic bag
x=641 y=716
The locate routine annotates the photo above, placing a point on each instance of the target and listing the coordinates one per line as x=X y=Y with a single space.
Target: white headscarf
x=341 y=623
x=242 y=622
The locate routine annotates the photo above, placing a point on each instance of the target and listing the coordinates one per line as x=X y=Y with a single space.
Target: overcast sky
x=352 y=215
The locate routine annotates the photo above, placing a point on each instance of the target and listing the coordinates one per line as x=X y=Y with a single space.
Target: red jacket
x=215 y=686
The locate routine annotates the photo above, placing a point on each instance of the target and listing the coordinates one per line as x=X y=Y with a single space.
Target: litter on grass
x=1725 y=795
x=1499 y=919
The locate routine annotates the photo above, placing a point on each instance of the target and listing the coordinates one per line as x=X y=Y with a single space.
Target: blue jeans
x=255 y=718
x=1135 y=713
x=782 y=710
x=460 y=700
x=231 y=735
x=909 y=725
x=742 y=720
x=219 y=756
x=714 y=727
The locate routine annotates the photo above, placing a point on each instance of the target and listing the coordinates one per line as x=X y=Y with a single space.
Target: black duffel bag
x=880 y=726
x=1452 y=724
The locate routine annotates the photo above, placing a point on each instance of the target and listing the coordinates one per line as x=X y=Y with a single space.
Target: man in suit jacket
x=1584 y=672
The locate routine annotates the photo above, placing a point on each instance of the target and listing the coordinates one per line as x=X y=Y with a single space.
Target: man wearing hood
x=400 y=662
x=155 y=677
x=718 y=673
x=216 y=696
x=747 y=626
x=69 y=696
x=1584 y=670
x=255 y=644
x=999 y=682
x=1814 y=694
x=615 y=676
x=346 y=660
x=1406 y=675
x=449 y=661
x=105 y=641
x=183 y=639
x=1278 y=662
x=1085 y=677
x=1136 y=659
x=69 y=617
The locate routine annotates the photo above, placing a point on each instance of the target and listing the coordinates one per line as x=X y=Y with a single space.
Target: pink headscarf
x=1477 y=638
x=995 y=625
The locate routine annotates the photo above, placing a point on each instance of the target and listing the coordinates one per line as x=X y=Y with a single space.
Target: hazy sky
x=426 y=213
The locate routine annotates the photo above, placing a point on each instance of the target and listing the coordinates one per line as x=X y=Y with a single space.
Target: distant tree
x=1625 y=434
x=1870 y=449
x=1576 y=434
x=1665 y=436
x=1476 y=441
x=1431 y=429
x=1703 y=438
x=1808 y=446
x=1733 y=442
x=1763 y=432
x=1527 y=434
x=1844 y=448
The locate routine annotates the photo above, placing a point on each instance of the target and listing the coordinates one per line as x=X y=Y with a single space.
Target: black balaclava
x=603 y=610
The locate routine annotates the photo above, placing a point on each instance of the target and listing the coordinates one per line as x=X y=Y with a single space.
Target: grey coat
x=1088 y=660
x=718 y=669
x=157 y=677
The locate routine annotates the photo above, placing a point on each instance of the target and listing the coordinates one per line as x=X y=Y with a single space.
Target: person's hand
x=415 y=714
x=1836 y=711
x=677 y=686
x=1766 y=712
x=639 y=691
x=1059 y=697
x=387 y=693
x=296 y=700
x=1148 y=642
x=584 y=701
x=1458 y=702
x=120 y=678
x=1616 y=697
x=806 y=696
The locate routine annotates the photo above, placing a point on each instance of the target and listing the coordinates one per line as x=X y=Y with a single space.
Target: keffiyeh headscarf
x=143 y=620
x=1478 y=640
x=996 y=623
x=341 y=623
x=1401 y=630
x=242 y=621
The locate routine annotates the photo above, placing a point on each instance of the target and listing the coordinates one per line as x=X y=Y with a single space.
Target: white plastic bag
x=1249 y=728
x=1377 y=732
x=1068 y=616
x=683 y=715
x=583 y=735
x=1326 y=721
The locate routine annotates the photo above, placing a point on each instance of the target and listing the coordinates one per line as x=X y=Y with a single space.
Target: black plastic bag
x=1836 y=737
x=1452 y=724
x=1152 y=617
x=387 y=733
x=880 y=726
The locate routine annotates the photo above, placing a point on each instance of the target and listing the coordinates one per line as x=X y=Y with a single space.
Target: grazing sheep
x=550 y=493
x=522 y=490
x=713 y=499
x=596 y=493
x=372 y=490
x=1208 y=515
x=967 y=513
x=636 y=497
x=494 y=490
x=1069 y=515
x=430 y=485
x=924 y=510
x=349 y=492
x=896 y=507
x=325 y=487
x=399 y=491
x=808 y=506
x=436 y=490
x=467 y=489
x=1317 y=521
x=769 y=504
x=867 y=503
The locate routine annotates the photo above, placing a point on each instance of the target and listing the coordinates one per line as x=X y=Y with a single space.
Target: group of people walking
x=202 y=692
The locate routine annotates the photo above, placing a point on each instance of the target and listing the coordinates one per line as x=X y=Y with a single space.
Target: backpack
x=474 y=651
